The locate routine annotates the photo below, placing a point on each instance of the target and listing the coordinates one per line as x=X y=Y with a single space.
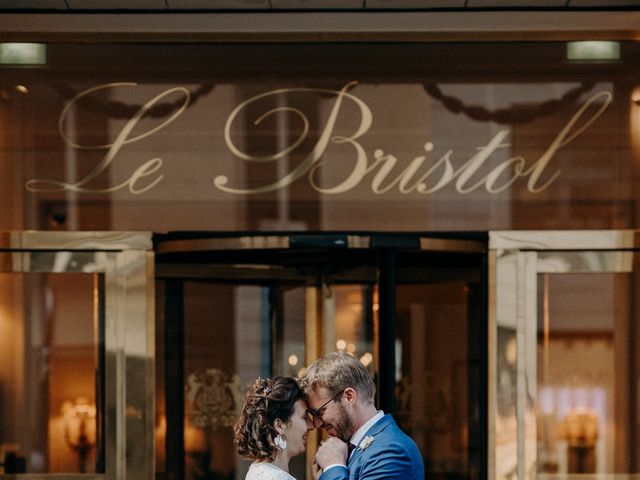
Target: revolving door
x=231 y=308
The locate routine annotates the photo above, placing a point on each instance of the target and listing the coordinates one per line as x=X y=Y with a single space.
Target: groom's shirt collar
x=359 y=434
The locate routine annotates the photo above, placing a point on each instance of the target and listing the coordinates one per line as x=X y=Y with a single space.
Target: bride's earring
x=280 y=442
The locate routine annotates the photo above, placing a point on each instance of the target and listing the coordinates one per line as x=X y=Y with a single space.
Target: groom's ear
x=350 y=395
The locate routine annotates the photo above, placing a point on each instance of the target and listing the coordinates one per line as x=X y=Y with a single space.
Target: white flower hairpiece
x=366 y=441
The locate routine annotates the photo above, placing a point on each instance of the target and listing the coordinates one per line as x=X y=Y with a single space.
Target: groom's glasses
x=315 y=414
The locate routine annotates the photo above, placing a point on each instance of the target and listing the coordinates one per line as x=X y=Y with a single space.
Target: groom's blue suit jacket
x=391 y=455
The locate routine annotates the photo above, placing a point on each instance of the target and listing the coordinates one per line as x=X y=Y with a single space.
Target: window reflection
x=437 y=390
x=289 y=330
x=354 y=310
x=227 y=345
x=585 y=405
x=50 y=419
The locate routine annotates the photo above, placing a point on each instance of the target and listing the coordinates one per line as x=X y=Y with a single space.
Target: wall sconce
x=581 y=433
x=78 y=416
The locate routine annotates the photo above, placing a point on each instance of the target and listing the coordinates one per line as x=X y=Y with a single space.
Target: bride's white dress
x=266 y=471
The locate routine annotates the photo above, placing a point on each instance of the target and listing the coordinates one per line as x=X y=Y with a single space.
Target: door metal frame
x=515 y=260
x=127 y=261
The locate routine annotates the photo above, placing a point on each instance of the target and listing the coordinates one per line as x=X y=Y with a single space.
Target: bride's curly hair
x=265 y=401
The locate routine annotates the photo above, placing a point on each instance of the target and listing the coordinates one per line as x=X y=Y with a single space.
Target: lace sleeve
x=267 y=471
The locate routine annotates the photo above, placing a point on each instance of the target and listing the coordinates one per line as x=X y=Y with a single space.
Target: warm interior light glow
x=293 y=360
x=194 y=439
x=366 y=359
x=79 y=428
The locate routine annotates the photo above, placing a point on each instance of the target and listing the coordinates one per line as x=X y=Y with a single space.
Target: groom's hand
x=331 y=452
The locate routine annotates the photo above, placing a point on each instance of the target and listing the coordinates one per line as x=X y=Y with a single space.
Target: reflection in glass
x=437 y=386
x=289 y=330
x=79 y=428
x=226 y=337
x=49 y=370
x=354 y=310
x=586 y=374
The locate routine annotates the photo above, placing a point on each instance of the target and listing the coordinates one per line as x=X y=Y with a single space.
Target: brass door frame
x=126 y=261
x=515 y=259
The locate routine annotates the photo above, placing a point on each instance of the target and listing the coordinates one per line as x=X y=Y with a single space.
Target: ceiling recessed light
x=23 y=53
x=593 y=51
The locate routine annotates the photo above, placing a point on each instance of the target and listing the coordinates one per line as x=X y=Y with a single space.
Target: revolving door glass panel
x=273 y=313
x=565 y=362
x=52 y=366
x=440 y=338
x=587 y=370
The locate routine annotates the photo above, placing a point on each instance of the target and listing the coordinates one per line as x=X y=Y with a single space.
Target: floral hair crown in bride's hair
x=260 y=388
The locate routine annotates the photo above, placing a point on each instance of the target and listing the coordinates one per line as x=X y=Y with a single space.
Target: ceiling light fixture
x=593 y=51
x=23 y=53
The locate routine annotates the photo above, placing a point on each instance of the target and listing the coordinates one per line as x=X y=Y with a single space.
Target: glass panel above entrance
x=385 y=137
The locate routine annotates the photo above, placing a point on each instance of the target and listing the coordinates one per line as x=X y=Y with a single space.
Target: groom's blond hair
x=337 y=371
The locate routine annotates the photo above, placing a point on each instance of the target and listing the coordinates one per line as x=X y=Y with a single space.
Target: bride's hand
x=316 y=471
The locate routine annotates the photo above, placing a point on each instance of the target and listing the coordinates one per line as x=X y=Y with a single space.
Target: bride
x=272 y=428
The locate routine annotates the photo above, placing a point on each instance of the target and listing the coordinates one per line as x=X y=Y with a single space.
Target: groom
x=364 y=442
